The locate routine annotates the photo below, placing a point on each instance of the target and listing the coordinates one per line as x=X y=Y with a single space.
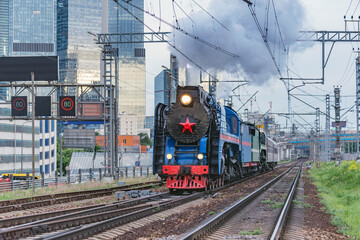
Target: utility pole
x=317 y=134
x=327 y=129
x=357 y=103
x=337 y=122
x=212 y=86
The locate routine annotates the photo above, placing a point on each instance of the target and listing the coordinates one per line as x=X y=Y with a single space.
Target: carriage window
x=262 y=138
x=234 y=125
x=252 y=131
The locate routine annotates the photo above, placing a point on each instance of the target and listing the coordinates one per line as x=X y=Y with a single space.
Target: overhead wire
x=348 y=8
x=357 y=5
x=210 y=15
x=346 y=68
x=170 y=44
x=182 y=30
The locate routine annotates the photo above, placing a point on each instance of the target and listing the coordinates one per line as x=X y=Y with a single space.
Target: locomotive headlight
x=185 y=99
x=169 y=156
x=200 y=156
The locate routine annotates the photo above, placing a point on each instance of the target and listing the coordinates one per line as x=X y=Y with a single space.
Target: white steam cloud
x=243 y=39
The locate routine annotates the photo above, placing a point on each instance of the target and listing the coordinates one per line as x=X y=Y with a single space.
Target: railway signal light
x=67 y=106
x=19 y=106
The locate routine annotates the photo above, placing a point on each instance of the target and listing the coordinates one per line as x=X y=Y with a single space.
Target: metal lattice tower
x=108 y=57
x=337 y=121
x=111 y=117
x=327 y=129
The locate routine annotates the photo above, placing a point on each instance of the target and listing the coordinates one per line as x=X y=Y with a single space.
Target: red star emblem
x=187 y=125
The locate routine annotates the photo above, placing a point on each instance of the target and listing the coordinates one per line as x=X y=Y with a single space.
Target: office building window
x=46 y=126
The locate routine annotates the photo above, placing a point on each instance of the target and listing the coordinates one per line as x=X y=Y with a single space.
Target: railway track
x=58 y=198
x=86 y=221
x=78 y=216
x=138 y=218
x=259 y=213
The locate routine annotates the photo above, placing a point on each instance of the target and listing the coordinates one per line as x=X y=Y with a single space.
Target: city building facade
x=161 y=88
x=132 y=68
x=128 y=124
x=27 y=28
x=79 y=56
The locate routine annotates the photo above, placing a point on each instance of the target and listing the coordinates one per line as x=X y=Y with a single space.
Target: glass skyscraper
x=161 y=88
x=32 y=28
x=4 y=27
x=79 y=56
x=132 y=81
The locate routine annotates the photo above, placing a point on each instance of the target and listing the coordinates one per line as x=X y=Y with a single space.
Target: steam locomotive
x=198 y=143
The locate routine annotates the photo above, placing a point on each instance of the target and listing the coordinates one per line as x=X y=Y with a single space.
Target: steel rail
x=74 y=212
x=47 y=225
x=68 y=194
x=285 y=210
x=95 y=228
x=222 y=217
x=110 y=223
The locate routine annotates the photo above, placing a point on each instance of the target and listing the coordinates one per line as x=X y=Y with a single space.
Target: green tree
x=145 y=140
x=66 y=155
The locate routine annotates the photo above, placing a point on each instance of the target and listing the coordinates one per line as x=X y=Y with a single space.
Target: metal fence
x=83 y=175
x=95 y=160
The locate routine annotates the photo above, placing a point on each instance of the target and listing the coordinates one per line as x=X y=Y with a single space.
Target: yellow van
x=5 y=177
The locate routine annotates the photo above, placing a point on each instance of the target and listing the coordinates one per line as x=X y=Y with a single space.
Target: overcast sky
x=243 y=38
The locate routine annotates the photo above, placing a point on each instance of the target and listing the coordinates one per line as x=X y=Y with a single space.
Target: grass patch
x=212 y=212
x=267 y=201
x=273 y=204
x=277 y=205
x=339 y=190
x=257 y=231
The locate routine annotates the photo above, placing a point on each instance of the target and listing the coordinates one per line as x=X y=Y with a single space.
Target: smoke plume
x=243 y=39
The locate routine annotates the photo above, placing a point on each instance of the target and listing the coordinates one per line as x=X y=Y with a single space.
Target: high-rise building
x=27 y=28
x=132 y=70
x=79 y=56
x=166 y=82
x=32 y=27
x=4 y=28
x=4 y=38
x=161 y=82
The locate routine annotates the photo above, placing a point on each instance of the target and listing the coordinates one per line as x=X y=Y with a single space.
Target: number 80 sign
x=67 y=105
